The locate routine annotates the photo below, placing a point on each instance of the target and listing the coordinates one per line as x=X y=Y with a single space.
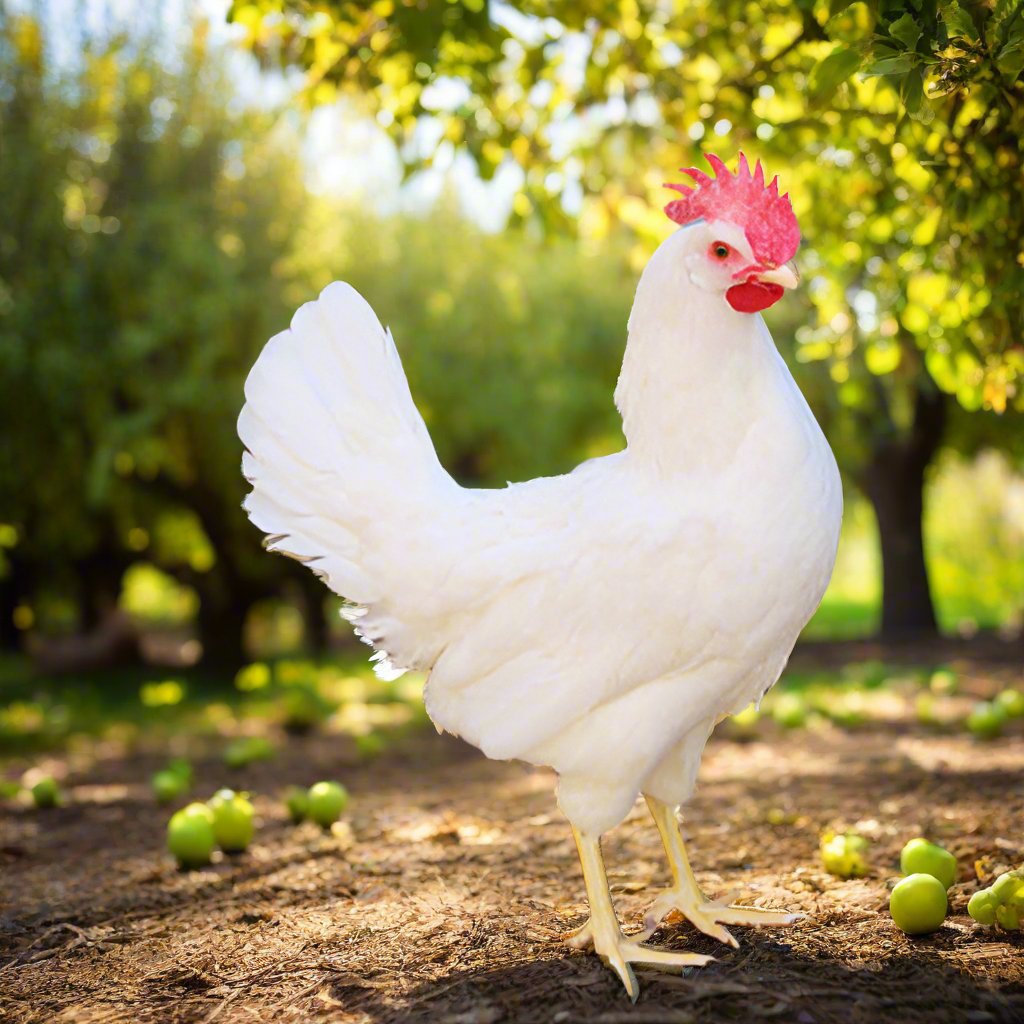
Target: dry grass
x=444 y=898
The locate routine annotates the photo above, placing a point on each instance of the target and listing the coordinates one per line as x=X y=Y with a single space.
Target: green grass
x=40 y=713
x=974 y=541
x=841 y=618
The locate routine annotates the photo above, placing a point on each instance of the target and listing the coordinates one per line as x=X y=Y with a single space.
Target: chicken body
x=599 y=622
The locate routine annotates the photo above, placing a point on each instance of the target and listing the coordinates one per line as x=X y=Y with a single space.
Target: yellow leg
x=602 y=931
x=684 y=895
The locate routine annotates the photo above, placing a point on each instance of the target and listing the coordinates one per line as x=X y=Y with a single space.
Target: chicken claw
x=603 y=934
x=709 y=916
x=619 y=952
x=685 y=897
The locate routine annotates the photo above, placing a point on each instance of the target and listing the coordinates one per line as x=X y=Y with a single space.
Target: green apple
x=326 y=802
x=9 y=789
x=849 y=714
x=1006 y=885
x=926 y=709
x=296 y=800
x=167 y=785
x=920 y=856
x=183 y=769
x=304 y=707
x=1012 y=702
x=986 y=719
x=190 y=835
x=1016 y=898
x=845 y=855
x=370 y=744
x=982 y=907
x=241 y=752
x=918 y=904
x=197 y=810
x=46 y=792
x=233 y=820
x=1008 y=917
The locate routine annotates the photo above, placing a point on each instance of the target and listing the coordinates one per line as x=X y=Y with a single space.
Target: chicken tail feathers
x=341 y=465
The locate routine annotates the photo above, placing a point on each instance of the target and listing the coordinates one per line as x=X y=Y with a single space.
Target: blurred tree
x=142 y=234
x=898 y=126
x=511 y=345
x=152 y=236
x=150 y=241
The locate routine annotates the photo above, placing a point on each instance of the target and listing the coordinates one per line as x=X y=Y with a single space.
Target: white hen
x=599 y=622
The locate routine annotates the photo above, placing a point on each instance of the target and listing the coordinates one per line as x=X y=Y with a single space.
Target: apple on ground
x=845 y=855
x=986 y=719
x=190 y=835
x=920 y=856
x=918 y=904
x=46 y=792
x=327 y=800
x=233 y=820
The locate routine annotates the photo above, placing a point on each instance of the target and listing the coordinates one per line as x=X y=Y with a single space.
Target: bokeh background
x=178 y=177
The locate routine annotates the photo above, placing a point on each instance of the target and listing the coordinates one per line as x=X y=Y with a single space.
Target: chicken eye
x=720 y=251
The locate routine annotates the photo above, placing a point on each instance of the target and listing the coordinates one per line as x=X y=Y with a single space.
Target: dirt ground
x=444 y=896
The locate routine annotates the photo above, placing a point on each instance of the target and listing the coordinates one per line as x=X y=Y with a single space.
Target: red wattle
x=753 y=296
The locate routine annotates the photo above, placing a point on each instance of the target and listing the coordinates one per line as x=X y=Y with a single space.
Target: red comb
x=742 y=199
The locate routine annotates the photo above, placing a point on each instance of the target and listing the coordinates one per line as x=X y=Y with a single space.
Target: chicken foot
x=603 y=934
x=684 y=895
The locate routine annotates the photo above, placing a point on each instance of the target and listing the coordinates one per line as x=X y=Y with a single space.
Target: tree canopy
x=898 y=124
x=155 y=232
x=154 y=235
x=141 y=266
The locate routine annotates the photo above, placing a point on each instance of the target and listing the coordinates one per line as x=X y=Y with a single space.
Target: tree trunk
x=227 y=592
x=898 y=500
x=13 y=587
x=221 y=625
x=314 y=614
x=894 y=484
x=99 y=576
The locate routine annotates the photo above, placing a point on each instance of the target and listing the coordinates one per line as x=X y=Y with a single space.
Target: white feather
x=598 y=622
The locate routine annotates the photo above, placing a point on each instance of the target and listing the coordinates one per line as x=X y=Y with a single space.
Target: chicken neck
x=694 y=374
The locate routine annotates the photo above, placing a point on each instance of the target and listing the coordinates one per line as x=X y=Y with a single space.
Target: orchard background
x=176 y=178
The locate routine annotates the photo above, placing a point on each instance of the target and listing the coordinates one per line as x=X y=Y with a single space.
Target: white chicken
x=599 y=622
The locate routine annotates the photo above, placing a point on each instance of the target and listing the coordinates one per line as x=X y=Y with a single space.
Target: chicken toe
x=684 y=897
x=602 y=931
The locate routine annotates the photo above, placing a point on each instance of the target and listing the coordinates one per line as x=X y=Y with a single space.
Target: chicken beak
x=786 y=276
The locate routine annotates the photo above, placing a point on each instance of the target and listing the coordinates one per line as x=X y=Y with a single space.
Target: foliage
x=897 y=126
x=141 y=248
x=512 y=347
x=153 y=234
x=50 y=713
x=976 y=544
x=974 y=532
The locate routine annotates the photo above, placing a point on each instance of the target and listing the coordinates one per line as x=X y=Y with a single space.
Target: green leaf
x=829 y=73
x=1015 y=34
x=912 y=91
x=958 y=22
x=1004 y=14
x=851 y=24
x=906 y=30
x=891 y=65
x=1011 y=61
